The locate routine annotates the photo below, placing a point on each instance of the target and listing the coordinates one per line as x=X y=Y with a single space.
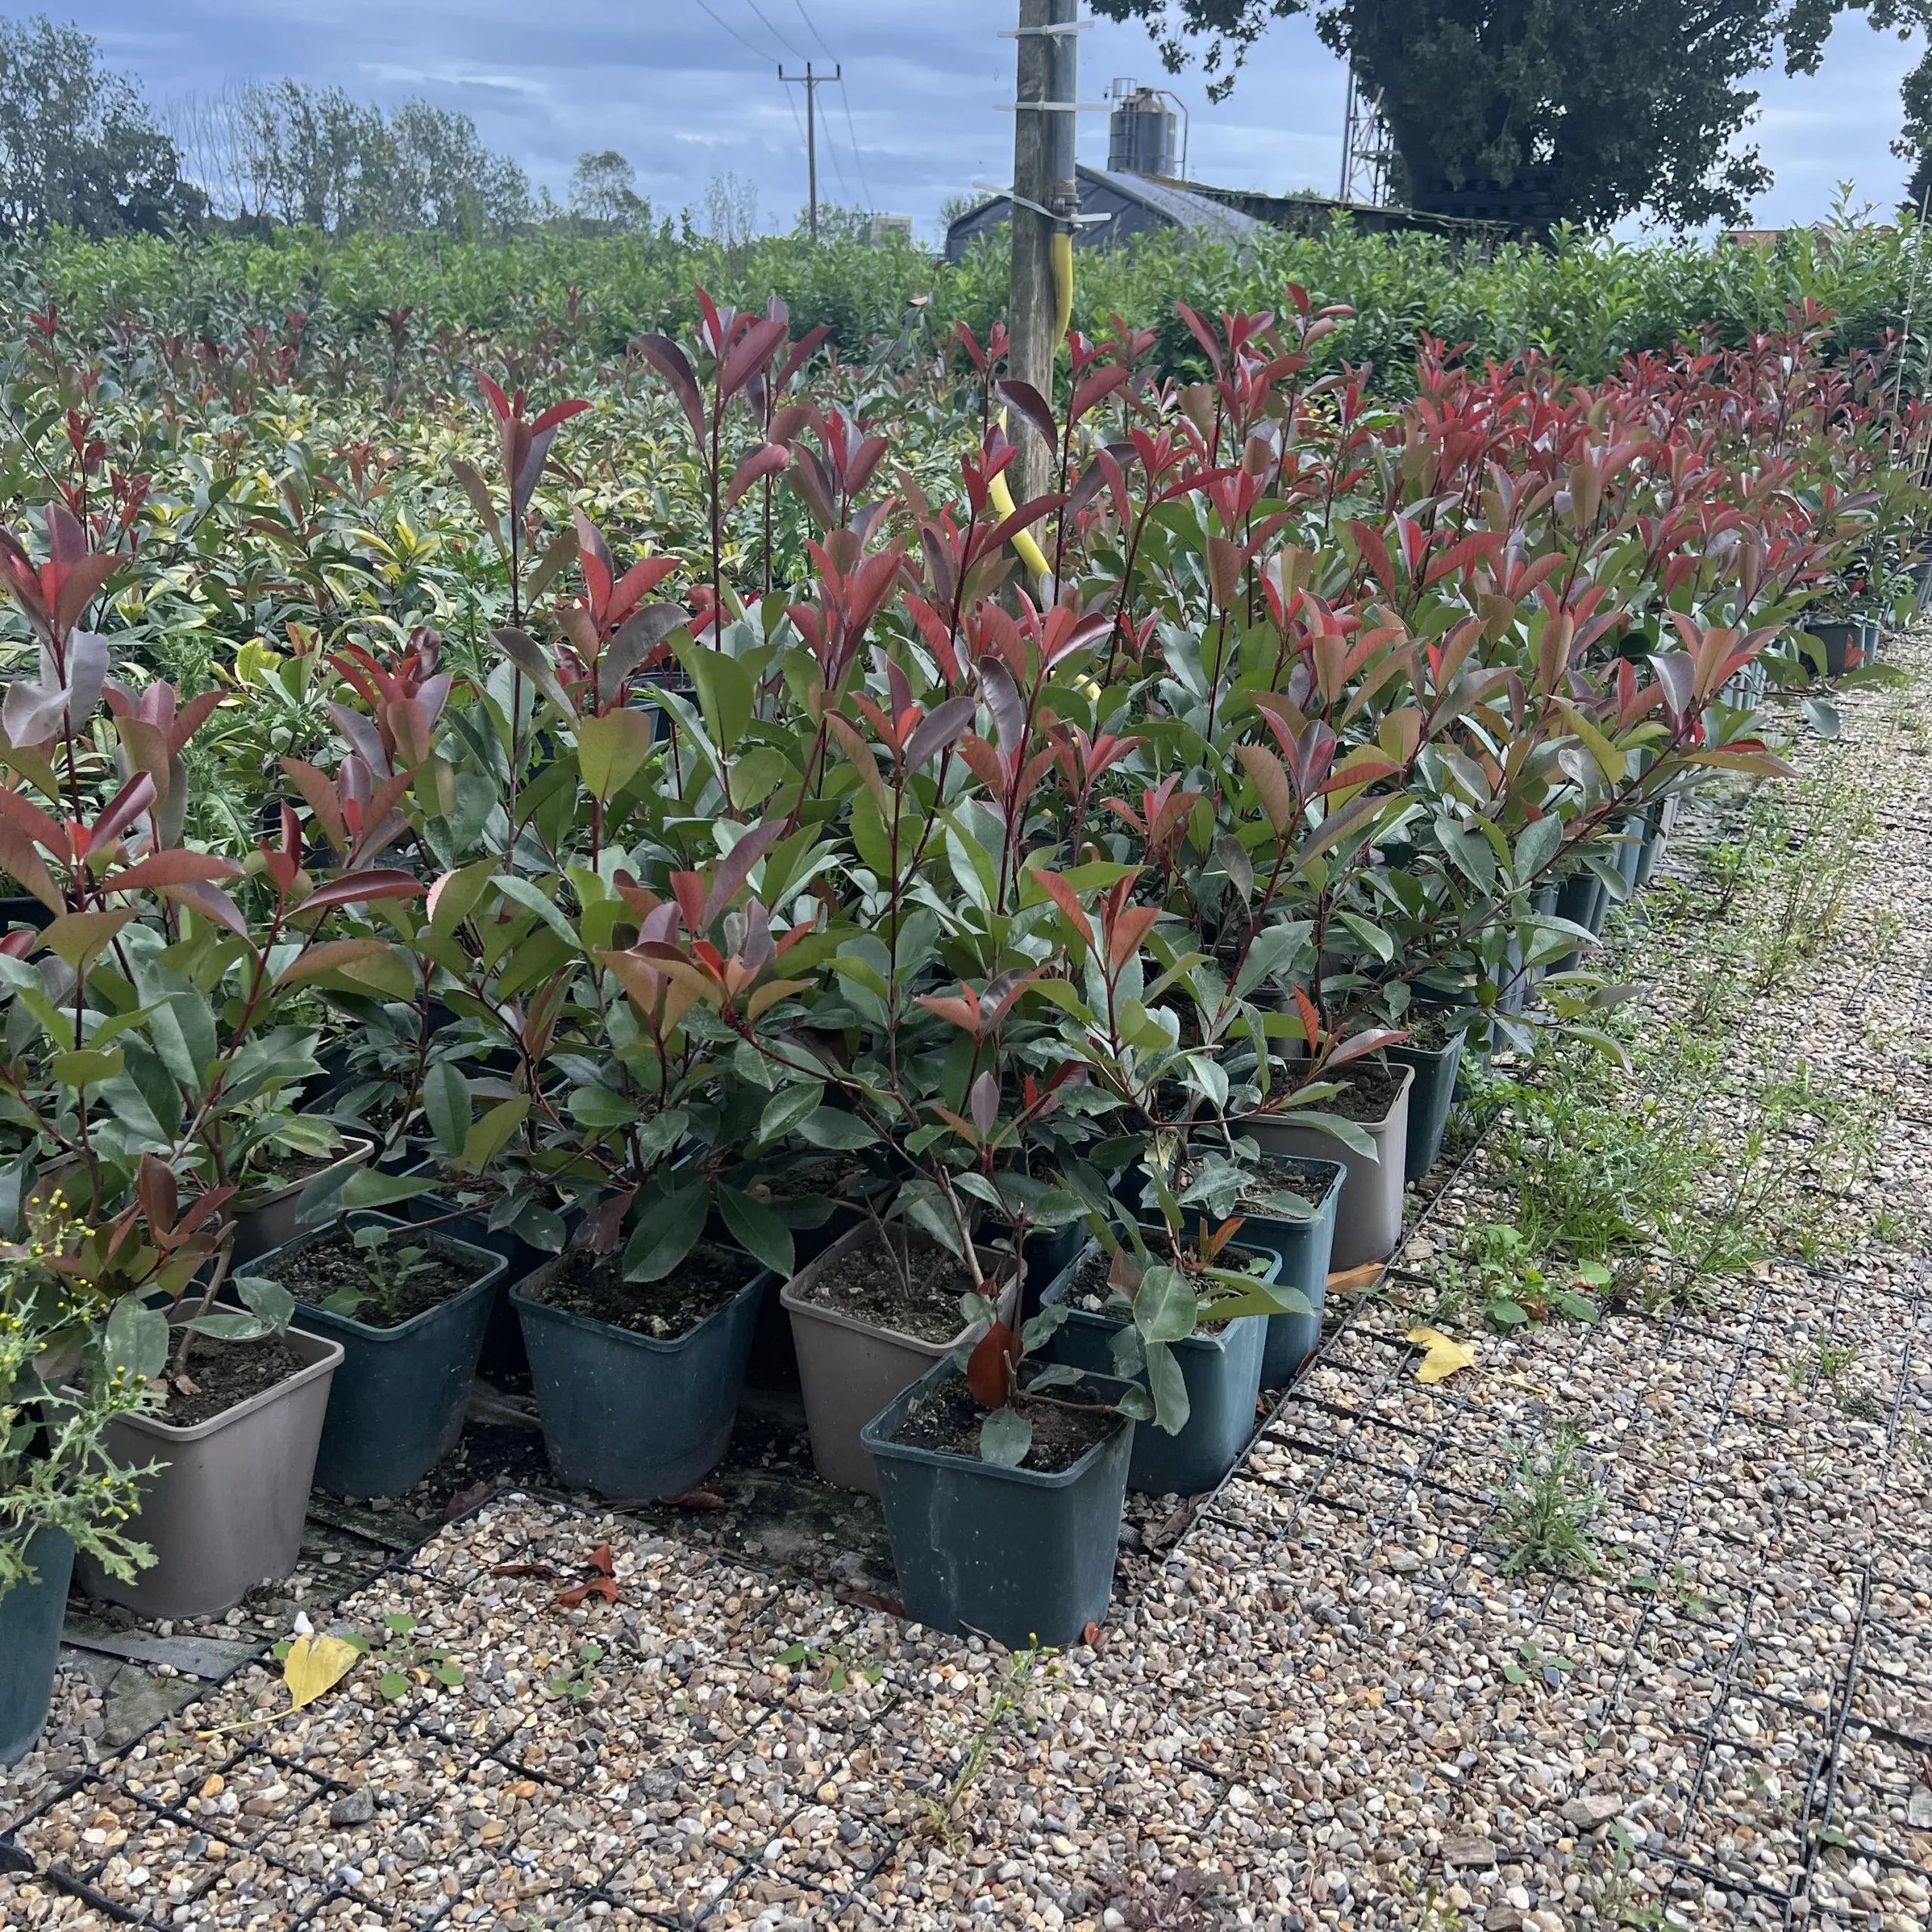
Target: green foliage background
x=1586 y=302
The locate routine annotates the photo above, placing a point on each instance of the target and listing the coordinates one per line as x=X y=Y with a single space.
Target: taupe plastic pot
x=848 y=1370
x=225 y=1514
x=1368 y=1222
x=271 y=1222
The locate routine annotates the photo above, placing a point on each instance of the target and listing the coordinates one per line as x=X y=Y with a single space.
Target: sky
x=688 y=90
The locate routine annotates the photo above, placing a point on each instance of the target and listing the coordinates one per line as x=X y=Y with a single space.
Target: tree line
x=81 y=148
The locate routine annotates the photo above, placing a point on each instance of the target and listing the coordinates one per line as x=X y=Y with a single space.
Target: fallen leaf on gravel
x=543 y=1570
x=1093 y=1635
x=465 y=1500
x=696 y=1499
x=603 y=1584
x=1352 y=1281
x=1443 y=1355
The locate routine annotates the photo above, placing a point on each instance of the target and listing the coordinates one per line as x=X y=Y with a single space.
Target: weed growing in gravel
x=1546 y=1513
x=1495 y=1277
x=1611 y=1892
x=1015 y=1687
x=1827 y=1358
x=1834 y=816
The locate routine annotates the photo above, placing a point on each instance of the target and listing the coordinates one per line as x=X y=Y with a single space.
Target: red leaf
x=353 y=888
x=989 y=1369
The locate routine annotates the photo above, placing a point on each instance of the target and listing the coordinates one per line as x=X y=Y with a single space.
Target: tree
x=1604 y=109
x=79 y=147
x=730 y=210
x=603 y=191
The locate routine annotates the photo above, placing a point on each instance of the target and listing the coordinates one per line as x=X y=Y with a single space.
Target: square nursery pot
x=270 y=1223
x=1222 y=1372
x=849 y=1369
x=1658 y=818
x=1840 y=638
x=396 y=1404
x=1584 y=900
x=227 y=1513
x=31 y=1616
x=1024 y=1557
x=1304 y=1247
x=1431 y=1095
x=1368 y=1222
x=629 y=1415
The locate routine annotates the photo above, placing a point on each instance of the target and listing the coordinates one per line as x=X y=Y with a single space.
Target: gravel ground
x=1323 y=1699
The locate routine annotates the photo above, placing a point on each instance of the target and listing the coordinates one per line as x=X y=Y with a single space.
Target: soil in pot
x=286 y=1171
x=222 y=1375
x=943 y=1416
x=593 y=1286
x=323 y=1267
x=915 y=1289
x=1370 y=1093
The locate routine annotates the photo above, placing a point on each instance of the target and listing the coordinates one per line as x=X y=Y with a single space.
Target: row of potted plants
x=1130 y=865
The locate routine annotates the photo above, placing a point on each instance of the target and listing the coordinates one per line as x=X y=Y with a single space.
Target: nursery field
x=742 y=1184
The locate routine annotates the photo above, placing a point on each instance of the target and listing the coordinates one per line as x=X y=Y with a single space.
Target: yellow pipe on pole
x=1031 y=555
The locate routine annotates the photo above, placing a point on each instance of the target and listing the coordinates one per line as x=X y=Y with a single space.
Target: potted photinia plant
x=69 y=1370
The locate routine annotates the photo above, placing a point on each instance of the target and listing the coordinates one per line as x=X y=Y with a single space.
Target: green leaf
x=394 y=1684
x=757 y=1230
x=1536 y=847
x=1168 y=1386
x=135 y=1341
x=527 y=893
x=611 y=750
x=600 y=1108
x=446 y=1105
x=833 y=1128
x=83 y=1067
x=669 y=1226
x=1005 y=1436
x=369 y=1187
x=786 y=1109
x=1165 y=1308
x=491 y=1134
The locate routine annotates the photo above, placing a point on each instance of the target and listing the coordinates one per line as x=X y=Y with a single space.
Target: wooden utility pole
x=1046 y=196
x=811 y=83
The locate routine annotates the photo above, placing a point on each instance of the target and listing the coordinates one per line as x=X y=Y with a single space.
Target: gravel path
x=1324 y=1699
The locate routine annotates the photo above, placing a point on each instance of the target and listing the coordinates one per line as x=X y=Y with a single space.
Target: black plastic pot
x=1222 y=1372
x=396 y=1404
x=1840 y=638
x=31 y=1615
x=1024 y=1557
x=1583 y=900
x=1304 y=1247
x=1431 y=1094
x=628 y=1415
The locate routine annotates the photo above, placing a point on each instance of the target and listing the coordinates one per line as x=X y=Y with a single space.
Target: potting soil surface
x=220 y=1375
x=914 y=1289
x=700 y=1284
x=947 y=1417
x=1334 y=1695
x=325 y=1266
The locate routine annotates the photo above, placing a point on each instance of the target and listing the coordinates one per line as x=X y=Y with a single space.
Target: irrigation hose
x=1031 y=555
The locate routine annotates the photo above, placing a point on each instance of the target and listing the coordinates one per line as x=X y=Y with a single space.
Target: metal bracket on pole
x=1048 y=32
x=1046 y=214
x=1054 y=107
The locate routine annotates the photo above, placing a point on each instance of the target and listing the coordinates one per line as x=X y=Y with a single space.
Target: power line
x=733 y=31
x=787 y=46
x=858 y=160
x=845 y=102
x=811 y=27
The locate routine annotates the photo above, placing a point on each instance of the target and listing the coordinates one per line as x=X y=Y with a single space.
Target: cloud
x=687 y=92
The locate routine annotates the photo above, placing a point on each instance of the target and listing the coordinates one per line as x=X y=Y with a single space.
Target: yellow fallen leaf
x=1443 y=1355
x=314 y=1664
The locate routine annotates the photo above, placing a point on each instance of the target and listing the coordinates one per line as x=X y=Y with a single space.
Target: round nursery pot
x=270 y=1222
x=1920 y=571
x=226 y=1513
x=1431 y=1096
x=849 y=1370
x=1025 y=1555
x=396 y=1404
x=31 y=1615
x=1368 y=1223
x=1584 y=900
x=1304 y=1246
x=627 y=1414
x=1222 y=1372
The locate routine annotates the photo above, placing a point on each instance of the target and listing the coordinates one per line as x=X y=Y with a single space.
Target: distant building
x=883 y=229
x=1136 y=193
